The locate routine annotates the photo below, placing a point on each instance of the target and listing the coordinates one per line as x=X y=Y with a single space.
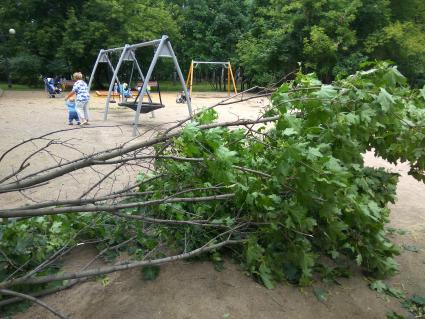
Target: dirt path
x=194 y=289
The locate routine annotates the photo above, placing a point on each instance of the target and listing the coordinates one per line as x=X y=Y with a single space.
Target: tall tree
x=332 y=37
x=212 y=28
x=67 y=35
x=317 y=33
x=402 y=39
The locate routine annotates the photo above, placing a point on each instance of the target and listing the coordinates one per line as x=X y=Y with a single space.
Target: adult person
x=80 y=89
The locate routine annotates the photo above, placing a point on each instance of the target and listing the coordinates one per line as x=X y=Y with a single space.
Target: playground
x=212 y=159
x=196 y=291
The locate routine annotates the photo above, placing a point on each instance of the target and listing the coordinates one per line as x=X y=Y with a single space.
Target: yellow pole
x=188 y=75
x=233 y=79
x=228 y=79
x=191 y=80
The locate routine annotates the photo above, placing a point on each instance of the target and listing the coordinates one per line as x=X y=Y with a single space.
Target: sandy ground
x=191 y=289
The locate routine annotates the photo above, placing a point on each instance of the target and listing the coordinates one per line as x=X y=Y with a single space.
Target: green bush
x=26 y=69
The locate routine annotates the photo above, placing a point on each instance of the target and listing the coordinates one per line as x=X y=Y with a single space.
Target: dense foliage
x=304 y=201
x=266 y=38
x=319 y=199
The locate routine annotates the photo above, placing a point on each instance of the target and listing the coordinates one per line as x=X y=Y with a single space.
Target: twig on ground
x=33 y=299
x=110 y=269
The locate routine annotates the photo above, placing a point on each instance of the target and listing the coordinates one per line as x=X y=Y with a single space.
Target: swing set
x=162 y=49
x=225 y=65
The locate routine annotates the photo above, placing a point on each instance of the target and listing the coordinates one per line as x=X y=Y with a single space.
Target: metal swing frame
x=227 y=65
x=163 y=50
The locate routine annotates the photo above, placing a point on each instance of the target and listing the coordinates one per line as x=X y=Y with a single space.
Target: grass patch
x=19 y=87
x=197 y=87
x=168 y=86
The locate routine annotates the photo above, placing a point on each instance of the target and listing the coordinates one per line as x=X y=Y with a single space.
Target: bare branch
x=110 y=154
x=110 y=269
x=7 y=177
x=108 y=208
x=102 y=179
x=203 y=223
x=51 y=133
x=33 y=299
x=143 y=157
x=249 y=170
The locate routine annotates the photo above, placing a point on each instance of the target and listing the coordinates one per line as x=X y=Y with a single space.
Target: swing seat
x=145 y=108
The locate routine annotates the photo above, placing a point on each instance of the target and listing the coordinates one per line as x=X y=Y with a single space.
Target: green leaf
x=56 y=227
x=411 y=248
x=385 y=99
x=415 y=305
x=207 y=116
x=326 y=92
x=266 y=276
x=359 y=259
x=150 y=272
x=393 y=77
x=289 y=131
x=105 y=280
x=313 y=153
x=420 y=300
x=224 y=154
x=382 y=287
x=397 y=293
x=378 y=286
x=422 y=91
x=394 y=315
x=333 y=165
x=254 y=252
x=321 y=294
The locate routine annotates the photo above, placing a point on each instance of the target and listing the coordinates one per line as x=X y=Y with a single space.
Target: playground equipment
x=103 y=57
x=163 y=49
x=146 y=107
x=225 y=65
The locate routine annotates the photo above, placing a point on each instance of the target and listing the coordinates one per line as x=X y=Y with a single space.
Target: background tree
x=68 y=36
x=266 y=38
x=403 y=39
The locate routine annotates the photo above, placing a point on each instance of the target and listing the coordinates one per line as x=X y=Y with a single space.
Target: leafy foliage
x=331 y=37
x=320 y=198
x=68 y=36
x=415 y=305
x=150 y=272
x=266 y=38
x=26 y=69
x=212 y=28
x=320 y=294
x=29 y=242
x=302 y=192
x=383 y=288
x=394 y=315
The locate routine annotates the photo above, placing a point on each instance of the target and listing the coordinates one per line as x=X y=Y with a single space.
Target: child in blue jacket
x=72 y=113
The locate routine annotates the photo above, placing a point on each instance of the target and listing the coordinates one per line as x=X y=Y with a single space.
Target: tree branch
x=110 y=269
x=33 y=299
x=110 y=154
x=107 y=208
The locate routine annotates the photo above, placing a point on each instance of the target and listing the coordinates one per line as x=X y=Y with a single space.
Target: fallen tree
x=285 y=190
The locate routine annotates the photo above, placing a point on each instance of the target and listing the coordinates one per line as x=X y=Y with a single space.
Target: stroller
x=181 y=97
x=52 y=88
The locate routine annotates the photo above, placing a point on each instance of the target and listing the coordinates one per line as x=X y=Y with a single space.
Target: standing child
x=72 y=113
x=80 y=89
